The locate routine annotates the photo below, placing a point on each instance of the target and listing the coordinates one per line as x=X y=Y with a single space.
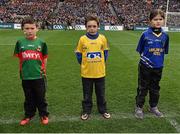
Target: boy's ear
x=37 y=29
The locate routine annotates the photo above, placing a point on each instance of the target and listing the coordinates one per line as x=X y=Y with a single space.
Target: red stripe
x=45 y=56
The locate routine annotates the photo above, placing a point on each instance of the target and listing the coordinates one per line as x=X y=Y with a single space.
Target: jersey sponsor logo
x=94 y=55
x=31 y=55
x=156 y=51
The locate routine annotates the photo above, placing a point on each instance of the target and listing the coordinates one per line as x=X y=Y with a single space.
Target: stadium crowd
x=71 y=12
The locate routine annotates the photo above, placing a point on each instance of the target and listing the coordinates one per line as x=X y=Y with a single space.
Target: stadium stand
x=71 y=12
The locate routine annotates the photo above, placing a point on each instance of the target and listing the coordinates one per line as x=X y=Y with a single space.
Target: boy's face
x=30 y=31
x=92 y=27
x=157 y=22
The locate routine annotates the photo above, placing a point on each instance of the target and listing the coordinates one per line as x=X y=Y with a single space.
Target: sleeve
x=106 y=48
x=79 y=46
x=140 y=46
x=105 y=54
x=45 y=50
x=166 y=47
x=78 y=51
x=17 y=49
x=106 y=44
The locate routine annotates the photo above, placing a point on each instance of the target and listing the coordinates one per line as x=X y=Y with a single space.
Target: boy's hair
x=28 y=20
x=156 y=12
x=91 y=18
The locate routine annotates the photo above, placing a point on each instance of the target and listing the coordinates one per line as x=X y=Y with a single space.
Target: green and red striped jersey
x=32 y=55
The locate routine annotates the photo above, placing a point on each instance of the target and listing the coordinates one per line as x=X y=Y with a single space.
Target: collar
x=92 y=36
x=156 y=31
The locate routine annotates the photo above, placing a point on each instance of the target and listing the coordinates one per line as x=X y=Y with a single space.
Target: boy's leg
x=143 y=84
x=40 y=89
x=100 y=94
x=154 y=87
x=87 y=84
x=29 y=104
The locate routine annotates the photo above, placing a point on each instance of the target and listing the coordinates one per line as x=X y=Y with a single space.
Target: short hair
x=91 y=18
x=156 y=12
x=28 y=20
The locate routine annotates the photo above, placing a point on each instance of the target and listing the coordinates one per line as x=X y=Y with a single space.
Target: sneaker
x=84 y=116
x=25 y=121
x=139 y=113
x=106 y=115
x=156 y=111
x=44 y=120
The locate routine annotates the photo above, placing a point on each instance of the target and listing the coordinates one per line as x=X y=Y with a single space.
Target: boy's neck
x=156 y=30
x=31 y=38
x=92 y=36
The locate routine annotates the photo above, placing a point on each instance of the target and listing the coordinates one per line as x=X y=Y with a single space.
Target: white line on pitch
x=55 y=118
x=174 y=123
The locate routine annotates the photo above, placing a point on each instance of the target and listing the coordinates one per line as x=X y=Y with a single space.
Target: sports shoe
x=44 y=120
x=139 y=113
x=106 y=115
x=25 y=121
x=156 y=112
x=84 y=116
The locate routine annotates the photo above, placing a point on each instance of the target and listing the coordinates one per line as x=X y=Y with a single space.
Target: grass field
x=64 y=92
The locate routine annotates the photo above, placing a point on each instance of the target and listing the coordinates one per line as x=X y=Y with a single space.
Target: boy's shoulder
x=41 y=40
x=147 y=31
x=23 y=39
x=165 y=33
x=102 y=36
x=20 y=39
x=83 y=36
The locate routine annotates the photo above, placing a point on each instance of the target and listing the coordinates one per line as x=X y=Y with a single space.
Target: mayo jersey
x=31 y=54
x=93 y=60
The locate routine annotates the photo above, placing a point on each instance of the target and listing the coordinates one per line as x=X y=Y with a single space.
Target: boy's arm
x=79 y=57
x=78 y=52
x=140 y=44
x=105 y=54
x=45 y=63
x=16 y=50
x=166 y=47
x=45 y=55
x=106 y=48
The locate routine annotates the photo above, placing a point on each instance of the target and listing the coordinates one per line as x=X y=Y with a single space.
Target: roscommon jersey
x=93 y=60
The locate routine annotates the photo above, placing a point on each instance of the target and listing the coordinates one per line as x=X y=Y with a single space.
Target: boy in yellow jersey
x=91 y=53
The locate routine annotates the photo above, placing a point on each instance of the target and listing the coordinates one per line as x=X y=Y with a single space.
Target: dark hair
x=91 y=18
x=28 y=20
x=156 y=12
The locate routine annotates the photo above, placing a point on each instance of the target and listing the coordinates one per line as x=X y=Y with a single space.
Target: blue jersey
x=152 y=48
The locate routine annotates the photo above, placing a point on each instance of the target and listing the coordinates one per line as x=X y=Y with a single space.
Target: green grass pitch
x=64 y=93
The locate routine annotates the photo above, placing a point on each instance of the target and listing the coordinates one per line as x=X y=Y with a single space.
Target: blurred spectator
x=129 y=12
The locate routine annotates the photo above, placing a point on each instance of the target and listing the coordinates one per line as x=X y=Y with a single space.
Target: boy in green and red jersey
x=32 y=53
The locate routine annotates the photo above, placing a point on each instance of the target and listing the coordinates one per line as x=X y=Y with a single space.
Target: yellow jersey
x=93 y=60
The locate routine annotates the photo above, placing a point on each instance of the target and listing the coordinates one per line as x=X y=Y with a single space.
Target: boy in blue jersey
x=92 y=52
x=152 y=47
